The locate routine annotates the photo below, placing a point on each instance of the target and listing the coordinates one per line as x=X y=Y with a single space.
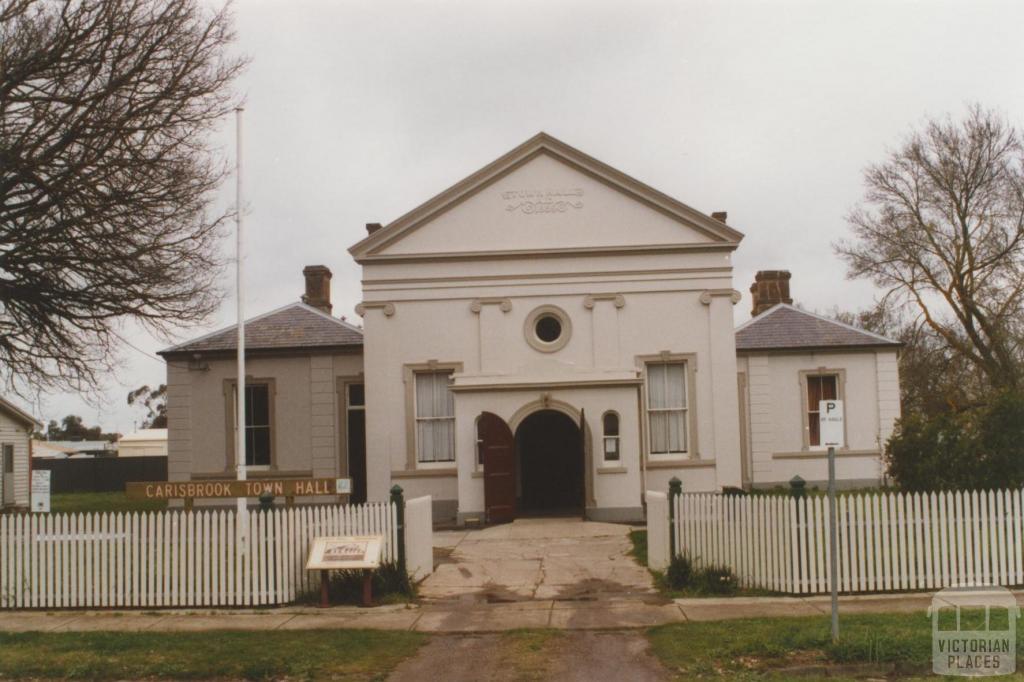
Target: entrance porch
x=522 y=456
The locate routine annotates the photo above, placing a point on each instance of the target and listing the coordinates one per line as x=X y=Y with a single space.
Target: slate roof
x=295 y=326
x=784 y=327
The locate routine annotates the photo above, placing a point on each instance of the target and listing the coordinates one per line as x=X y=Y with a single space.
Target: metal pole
x=832 y=543
x=239 y=284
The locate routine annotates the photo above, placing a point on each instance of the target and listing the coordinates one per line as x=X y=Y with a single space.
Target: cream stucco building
x=548 y=335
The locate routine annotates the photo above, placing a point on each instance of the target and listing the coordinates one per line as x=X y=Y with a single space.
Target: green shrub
x=680 y=572
x=390 y=583
x=1000 y=442
x=715 y=580
x=978 y=449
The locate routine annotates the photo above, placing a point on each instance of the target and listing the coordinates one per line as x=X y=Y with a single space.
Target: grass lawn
x=756 y=648
x=305 y=654
x=101 y=502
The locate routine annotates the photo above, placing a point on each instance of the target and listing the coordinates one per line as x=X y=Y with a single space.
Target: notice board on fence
x=342 y=552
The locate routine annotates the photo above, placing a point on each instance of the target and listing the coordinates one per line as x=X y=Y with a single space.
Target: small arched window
x=610 y=422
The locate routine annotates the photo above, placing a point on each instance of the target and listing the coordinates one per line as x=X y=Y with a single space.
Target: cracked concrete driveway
x=537 y=559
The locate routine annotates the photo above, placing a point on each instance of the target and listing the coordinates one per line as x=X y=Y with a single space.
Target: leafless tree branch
x=106 y=177
x=942 y=227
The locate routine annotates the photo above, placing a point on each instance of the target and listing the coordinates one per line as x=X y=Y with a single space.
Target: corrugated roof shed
x=784 y=327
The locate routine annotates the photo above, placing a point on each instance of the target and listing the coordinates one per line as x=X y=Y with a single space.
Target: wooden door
x=498 y=451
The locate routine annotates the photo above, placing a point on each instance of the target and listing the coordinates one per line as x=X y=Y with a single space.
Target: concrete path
x=554 y=559
x=464 y=618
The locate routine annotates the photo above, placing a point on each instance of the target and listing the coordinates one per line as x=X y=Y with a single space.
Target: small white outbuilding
x=143 y=443
x=16 y=426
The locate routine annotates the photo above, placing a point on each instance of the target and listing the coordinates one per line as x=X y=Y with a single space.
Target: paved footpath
x=607 y=614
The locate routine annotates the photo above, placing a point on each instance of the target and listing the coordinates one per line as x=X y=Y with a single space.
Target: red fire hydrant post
x=367 y=588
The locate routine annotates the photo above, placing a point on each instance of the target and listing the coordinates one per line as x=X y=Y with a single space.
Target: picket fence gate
x=886 y=541
x=173 y=558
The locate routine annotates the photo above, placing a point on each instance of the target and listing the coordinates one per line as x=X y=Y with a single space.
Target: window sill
x=424 y=473
x=679 y=463
x=612 y=470
x=823 y=454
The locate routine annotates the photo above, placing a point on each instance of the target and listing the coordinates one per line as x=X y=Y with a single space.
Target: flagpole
x=239 y=232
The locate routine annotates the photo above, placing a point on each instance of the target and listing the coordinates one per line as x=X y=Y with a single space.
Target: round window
x=548 y=328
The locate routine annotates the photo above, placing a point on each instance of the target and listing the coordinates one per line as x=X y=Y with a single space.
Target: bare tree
x=107 y=177
x=934 y=379
x=942 y=228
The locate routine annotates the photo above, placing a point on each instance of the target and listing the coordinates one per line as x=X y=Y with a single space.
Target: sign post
x=831 y=434
x=41 y=490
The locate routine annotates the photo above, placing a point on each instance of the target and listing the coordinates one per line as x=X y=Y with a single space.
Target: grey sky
x=359 y=111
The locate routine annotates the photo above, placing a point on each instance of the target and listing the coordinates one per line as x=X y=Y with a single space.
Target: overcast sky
x=358 y=111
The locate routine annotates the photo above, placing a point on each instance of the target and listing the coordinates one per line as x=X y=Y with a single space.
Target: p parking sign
x=830 y=423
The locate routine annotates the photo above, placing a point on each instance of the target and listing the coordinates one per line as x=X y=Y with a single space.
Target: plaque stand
x=367 y=587
x=325 y=599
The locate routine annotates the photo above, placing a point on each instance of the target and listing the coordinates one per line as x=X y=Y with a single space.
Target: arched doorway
x=549 y=451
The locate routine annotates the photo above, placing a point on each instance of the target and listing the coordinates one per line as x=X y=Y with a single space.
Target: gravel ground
x=585 y=656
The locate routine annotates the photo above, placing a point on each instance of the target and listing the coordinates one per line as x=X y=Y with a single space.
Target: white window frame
x=417 y=419
x=231 y=425
x=617 y=438
x=689 y=362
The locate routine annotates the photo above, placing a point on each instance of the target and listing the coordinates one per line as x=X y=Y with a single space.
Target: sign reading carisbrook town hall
x=974 y=631
x=278 y=487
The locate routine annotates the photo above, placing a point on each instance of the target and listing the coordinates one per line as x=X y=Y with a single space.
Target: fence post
x=399 y=501
x=675 y=489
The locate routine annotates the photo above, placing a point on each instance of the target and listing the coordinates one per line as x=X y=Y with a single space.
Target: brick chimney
x=318 y=287
x=770 y=287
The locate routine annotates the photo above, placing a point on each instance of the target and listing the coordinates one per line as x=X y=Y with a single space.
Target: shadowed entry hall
x=549 y=453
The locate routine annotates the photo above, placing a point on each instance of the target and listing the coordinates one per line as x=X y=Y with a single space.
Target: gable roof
x=785 y=327
x=542 y=143
x=296 y=326
x=19 y=414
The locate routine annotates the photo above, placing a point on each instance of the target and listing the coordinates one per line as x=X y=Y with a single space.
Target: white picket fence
x=886 y=541
x=176 y=558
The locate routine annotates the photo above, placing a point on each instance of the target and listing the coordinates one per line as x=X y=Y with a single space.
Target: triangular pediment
x=544 y=196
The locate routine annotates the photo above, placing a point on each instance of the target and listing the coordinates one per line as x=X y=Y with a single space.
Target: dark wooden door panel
x=357 y=455
x=498 y=450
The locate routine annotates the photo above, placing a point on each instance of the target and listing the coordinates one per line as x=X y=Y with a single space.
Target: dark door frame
x=578 y=416
x=341 y=386
x=578 y=426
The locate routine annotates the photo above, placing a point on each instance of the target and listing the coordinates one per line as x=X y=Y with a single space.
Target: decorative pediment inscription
x=532 y=201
